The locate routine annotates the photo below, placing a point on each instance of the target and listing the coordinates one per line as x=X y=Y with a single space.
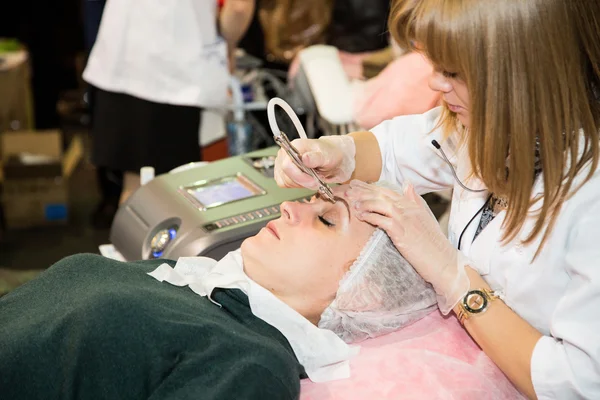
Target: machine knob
x=160 y=241
x=264 y=162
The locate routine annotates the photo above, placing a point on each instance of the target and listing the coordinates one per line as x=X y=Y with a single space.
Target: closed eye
x=325 y=222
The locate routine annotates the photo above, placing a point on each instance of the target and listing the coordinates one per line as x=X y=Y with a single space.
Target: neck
x=310 y=310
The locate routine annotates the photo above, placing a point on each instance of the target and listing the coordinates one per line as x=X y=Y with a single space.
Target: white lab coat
x=558 y=293
x=162 y=51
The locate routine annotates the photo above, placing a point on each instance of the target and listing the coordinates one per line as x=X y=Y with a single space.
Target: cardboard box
x=16 y=109
x=34 y=174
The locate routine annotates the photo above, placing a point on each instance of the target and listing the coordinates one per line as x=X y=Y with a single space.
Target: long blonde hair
x=532 y=69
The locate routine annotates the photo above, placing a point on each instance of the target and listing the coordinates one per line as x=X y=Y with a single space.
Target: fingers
x=372 y=199
x=313 y=159
x=355 y=183
x=311 y=152
x=316 y=154
x=380 y=221
x=409 y=192
x=391 y=223
x=361 y=191
x=284 y=181
x=379 y=206
x=288 y=175
x=321 y=155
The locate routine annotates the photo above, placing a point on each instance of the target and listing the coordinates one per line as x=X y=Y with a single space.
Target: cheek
x=263 y=260
x=319 y=254
x=463 y=94
x=339 y=254
x=324 y=261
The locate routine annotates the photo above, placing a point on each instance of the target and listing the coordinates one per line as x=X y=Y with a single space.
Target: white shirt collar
x=323 y=354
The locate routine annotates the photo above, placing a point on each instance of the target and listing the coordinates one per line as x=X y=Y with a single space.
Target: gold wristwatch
x=475 y=302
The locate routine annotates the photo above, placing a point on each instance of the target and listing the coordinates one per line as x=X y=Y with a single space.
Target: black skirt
x=129 y=133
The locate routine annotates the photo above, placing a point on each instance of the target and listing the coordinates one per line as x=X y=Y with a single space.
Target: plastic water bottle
x=239 y=137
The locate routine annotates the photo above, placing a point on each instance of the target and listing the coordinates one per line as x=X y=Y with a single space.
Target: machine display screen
x=222 y=191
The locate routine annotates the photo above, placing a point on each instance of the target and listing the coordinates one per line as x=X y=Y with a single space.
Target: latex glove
x=412 y=227
x=332 y=157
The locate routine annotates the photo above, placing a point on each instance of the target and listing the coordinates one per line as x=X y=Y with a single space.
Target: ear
x=348 y=264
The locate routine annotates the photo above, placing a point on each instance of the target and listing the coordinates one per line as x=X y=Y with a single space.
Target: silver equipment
x=205 y=211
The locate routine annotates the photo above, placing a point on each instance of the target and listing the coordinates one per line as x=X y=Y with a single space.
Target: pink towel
x=400 y=89
x=433 y=358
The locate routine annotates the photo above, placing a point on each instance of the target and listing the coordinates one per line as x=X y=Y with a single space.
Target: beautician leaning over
x=520 y=125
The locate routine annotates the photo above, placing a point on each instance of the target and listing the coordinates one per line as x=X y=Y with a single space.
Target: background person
x=155 y=65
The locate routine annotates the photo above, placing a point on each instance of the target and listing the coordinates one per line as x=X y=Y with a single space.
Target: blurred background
x=54 y=199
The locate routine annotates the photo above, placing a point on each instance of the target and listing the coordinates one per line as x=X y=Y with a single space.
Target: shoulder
x=578 y=225
x=97 y=261
x=425 y=123
x=583 y=202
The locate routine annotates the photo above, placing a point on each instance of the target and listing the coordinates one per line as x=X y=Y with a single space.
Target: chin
x=252 y=251
x=247 y=246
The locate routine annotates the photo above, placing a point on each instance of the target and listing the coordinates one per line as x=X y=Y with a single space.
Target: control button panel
x=241 y=218
x=255 y=215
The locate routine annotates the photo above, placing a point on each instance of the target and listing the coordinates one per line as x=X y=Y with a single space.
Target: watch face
x=475 y=301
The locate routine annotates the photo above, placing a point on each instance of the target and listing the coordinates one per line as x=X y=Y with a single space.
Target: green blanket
x=94 y=328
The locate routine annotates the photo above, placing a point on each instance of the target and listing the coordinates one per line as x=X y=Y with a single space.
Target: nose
x=439 y=83
x=293 y=212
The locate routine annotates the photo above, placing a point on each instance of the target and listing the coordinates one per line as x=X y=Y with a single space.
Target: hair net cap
x=379 y=294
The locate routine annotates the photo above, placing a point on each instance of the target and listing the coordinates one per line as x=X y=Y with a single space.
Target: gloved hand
x=332 y=157
x=412 y=227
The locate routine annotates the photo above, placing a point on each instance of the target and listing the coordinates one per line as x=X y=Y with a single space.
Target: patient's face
x=302 y=256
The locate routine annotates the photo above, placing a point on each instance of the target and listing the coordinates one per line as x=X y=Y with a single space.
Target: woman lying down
x=249 y=326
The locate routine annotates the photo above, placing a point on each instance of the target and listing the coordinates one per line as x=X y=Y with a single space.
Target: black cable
x=437 y=146
x=471 y=220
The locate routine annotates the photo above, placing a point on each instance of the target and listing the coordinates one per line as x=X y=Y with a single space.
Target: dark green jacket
x=93 y=328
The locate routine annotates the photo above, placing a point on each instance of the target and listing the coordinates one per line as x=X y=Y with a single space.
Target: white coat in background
x=558 y=293
x=162 y=51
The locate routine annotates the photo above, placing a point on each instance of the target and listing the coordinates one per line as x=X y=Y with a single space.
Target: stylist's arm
x=336 y=159
x=505 y=337
x=234 y=20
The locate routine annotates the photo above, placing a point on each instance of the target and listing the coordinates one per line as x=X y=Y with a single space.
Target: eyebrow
x=336 y=198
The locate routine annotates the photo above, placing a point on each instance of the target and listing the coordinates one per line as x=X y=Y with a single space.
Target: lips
x=454 y=108
x=272 y=229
